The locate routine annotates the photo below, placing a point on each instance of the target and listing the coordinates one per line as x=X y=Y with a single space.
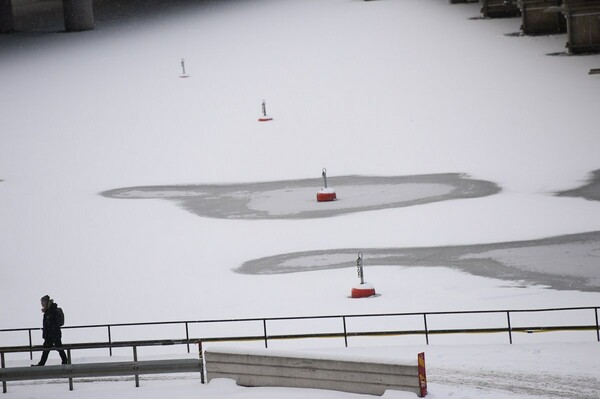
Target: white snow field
x=379 y=88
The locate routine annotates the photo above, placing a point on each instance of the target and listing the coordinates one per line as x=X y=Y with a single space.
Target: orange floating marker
x=364 y=290
x=326 y=193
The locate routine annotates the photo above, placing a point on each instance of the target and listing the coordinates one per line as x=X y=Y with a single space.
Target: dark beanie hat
x=46 y=298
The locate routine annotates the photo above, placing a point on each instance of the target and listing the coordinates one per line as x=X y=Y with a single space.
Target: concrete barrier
x=583 y=25
x=499 y=8
x=291 y=369
x=7 y=23
x=535 y=20
x=79 y=15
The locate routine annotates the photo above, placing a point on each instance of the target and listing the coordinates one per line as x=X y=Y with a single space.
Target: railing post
x=30 y=346
x=135 y=359
x=426 y=330
x=201 y=356
x=265 y=331
x=187 y=336
x=509 y=327
x=597 y=325
x=3 y=365
x=109 y=342
x=70 y=362
x=345 y=331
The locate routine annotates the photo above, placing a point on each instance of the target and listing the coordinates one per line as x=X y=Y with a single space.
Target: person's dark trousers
x=49 y=343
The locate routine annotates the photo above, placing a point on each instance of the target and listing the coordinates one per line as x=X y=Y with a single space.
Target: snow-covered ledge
x=260 y=368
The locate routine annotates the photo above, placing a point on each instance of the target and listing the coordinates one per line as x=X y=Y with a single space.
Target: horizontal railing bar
x=310 y=317
x=422 y=332
x=120 y=344
x=99 y=345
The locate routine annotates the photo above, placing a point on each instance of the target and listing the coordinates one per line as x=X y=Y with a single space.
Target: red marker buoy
x=364 y=290
x=326 y=193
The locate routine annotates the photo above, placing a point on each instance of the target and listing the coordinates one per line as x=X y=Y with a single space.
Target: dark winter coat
x=51 y=328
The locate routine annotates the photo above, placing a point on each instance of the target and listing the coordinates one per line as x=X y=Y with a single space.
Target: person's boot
x=64 y=359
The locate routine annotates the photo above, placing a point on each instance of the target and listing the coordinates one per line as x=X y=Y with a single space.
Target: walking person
x=53 y=320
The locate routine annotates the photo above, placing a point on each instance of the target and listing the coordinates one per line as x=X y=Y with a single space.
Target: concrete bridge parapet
x=6 y=17
x=78 y=14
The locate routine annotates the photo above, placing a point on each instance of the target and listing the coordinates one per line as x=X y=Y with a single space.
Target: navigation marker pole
x=183 y=74
x=363 y=290
x=264 y=117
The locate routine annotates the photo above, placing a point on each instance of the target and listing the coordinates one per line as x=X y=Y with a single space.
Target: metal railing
x=343 y=332
x=102 y=370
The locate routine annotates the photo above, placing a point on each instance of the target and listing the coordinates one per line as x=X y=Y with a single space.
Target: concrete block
x=499 y=8
x=79 y=15
x=583 y=25
x=535 y=20
x=365 y=377
x=7 y=23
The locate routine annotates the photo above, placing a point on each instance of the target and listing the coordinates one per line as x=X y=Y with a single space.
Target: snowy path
x=542 y=385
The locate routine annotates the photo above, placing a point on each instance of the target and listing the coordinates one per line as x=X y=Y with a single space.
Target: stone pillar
x=7 y=23
x=79 y=15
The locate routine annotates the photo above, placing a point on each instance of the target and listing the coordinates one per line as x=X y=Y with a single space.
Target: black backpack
x=60 y=317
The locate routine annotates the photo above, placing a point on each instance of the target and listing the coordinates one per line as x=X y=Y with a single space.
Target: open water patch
x=296 y=199
x=568 y=262
x=589 y=191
